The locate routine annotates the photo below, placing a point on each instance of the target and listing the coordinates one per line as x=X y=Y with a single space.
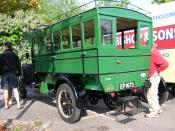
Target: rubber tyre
x=111 y=102
x=173 y=91
x=163 y=93
x=22 y=90
x=75 y=116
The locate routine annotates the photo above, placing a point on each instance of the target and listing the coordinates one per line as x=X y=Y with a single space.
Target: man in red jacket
x=157 y=65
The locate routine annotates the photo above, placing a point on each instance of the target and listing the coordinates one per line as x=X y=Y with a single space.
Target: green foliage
x=38 y=123
x=161 y=1
x=10 y=6
x=14 y=22
x=55 y=8
x=18 y=128
x=21 y=49
x=121 y=3
x=12 y=28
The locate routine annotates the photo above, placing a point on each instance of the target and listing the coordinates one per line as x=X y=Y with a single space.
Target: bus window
x=42 y=47
x=35 y=46
x=89 y=35
x=76 y=36
x=65 y=38
x=57 y=40
x=106 y=31
x=144 y=41
x=49 y=42
x=126 y=33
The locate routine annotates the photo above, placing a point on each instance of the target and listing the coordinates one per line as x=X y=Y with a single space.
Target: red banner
x=163 y=36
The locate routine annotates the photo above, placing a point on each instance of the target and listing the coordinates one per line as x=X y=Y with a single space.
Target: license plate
x=127 y=85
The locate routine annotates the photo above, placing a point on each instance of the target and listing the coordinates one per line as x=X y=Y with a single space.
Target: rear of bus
x=124 y=49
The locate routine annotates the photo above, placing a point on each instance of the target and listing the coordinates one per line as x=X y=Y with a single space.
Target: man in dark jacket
x=10 y=68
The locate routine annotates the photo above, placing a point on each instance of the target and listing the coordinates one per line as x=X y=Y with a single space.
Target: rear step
x=133 y=112
x=125 y=100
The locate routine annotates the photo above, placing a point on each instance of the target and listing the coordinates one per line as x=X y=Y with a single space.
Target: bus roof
x=112 y=5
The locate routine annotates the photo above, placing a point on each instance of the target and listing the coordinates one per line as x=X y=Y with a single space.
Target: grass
x=17 y=129
x=38 y=123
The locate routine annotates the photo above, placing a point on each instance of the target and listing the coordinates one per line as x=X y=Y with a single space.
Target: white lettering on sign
x=164 y=34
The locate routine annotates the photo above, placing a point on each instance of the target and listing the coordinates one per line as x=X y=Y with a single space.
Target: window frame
x=80 y=24
x=127 y=29
x=60 y=40
x=36 y=38
x=95 y=19
x=110 y=18
x=140 y=23
x=51 y=37
x=69 y=41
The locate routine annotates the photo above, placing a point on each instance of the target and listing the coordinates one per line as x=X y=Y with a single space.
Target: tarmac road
x=95 y=118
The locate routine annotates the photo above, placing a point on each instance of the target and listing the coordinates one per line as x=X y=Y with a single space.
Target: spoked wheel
x=111 y=102
x=66 y=104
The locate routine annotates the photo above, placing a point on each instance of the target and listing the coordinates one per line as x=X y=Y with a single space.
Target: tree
x=14 y=22
x=10 y=6
x=119 y=3
x=12 y=29
x=161 y=1
x=53 y=9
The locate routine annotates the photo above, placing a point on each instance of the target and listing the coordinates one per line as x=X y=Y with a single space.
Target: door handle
x=118 y=62
x=53 y=57
x=83 y=54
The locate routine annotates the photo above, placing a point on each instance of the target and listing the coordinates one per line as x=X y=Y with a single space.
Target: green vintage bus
x=86 y=57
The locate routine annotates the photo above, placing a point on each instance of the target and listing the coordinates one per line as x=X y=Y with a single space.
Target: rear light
x=134 y=90
x=112 y=94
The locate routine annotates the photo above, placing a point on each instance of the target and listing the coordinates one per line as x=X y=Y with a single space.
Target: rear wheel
x=163 y=93
x=66 y=104
x=111 y=102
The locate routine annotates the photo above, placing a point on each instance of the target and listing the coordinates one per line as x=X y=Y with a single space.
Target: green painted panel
x=142 y=76
x=43 y=88
x=73 y=65
x=126 y=77
x=125 y=64
x=90 y=60
x=68 y=62
x=137 y=77
x=46 y=64
x=107 y=65
x=108 y=82
x=93 y=83
x=91 y=65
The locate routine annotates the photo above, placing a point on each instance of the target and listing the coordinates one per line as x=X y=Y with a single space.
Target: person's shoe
x=20 y=107
x=6 y=107
x=151 y=115
x=10 y=102
x=160 y=111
